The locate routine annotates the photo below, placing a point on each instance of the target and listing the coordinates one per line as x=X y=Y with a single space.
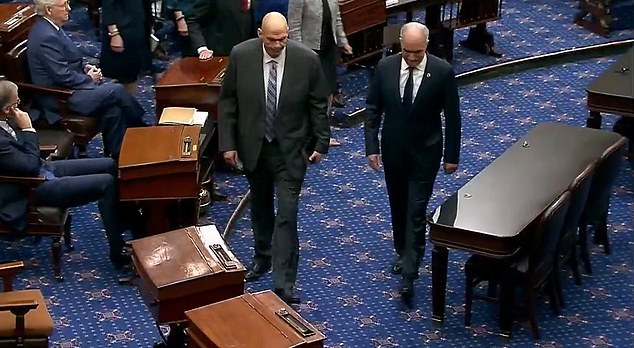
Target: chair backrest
x=17 y=63
x=545 y=242
x=579 y=189
x=603 y=180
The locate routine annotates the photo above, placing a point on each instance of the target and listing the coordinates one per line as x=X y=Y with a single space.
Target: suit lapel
x=258 y=74
x=394 y=81
x=288 y=73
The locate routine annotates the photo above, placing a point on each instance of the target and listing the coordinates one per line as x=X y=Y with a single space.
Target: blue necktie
x=271 y=102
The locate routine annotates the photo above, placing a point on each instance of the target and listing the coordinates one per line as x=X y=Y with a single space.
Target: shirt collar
x=279 y=60
x=420 y=66
x=53 y=24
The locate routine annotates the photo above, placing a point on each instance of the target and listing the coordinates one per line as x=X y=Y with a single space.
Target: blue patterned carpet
x=346 y=246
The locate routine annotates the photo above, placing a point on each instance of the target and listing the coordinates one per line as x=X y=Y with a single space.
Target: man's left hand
x=315 y=157
x=450 y=167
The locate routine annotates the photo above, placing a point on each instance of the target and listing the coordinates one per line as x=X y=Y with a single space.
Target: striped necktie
x=271 y=102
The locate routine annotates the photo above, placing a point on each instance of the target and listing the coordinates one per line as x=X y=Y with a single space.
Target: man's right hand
x=375 y=161
x=20 y=118
x=205 y=54
x=231 y=158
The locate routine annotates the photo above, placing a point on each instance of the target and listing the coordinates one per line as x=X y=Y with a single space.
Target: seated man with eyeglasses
x=55 y=61
x=69 y=183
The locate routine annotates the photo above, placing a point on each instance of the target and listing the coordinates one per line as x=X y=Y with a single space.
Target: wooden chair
x=596 y=211
x=24 y=318
x=536 y=270
x=83 y=127
x=42 y=221
x=571 y=237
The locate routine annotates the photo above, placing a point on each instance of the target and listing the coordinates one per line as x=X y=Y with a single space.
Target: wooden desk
x=15 y=23
x=612 y=92
x=191 y=82
x=363 y=22
x=166 y=181
x=494 y=212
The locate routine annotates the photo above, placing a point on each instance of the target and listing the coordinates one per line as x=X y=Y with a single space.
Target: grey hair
x=7 y=90
x=41 y=5
x=414 y=26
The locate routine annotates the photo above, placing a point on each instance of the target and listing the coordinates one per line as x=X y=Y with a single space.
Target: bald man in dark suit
x=408 y=93
x=273 y=120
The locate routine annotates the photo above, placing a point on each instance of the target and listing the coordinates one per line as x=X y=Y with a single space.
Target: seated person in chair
x=69 y=183
x=55 y=61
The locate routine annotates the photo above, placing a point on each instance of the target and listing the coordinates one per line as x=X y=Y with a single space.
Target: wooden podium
x=15 y=23
x=159 y=168
x=185 y=269
x=251 y=321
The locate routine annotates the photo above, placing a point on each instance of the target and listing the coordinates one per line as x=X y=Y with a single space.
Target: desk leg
x=506 y=308
x=438 y=282
x=594 y=120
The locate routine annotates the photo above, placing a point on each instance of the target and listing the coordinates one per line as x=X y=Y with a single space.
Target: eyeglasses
x=66 y=5
x=16 y=104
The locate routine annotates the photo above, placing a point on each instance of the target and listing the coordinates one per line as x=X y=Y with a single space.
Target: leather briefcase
x=185 y=269
x=251 y=321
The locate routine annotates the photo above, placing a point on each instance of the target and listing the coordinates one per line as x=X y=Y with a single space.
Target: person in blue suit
x=262 y=7
x=69 y=183
x=55 y=61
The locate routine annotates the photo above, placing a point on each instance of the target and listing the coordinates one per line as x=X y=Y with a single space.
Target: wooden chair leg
x=56 y=251
x=574 y=264
x=468 y=296
x=553 y=294
x=532 y=311
x=583 y=245
x=68 y=236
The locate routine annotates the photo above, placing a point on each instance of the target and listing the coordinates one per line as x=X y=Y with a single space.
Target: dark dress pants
x=116 y=108
x=410 y=185
x=275 y=235
x=81 y=181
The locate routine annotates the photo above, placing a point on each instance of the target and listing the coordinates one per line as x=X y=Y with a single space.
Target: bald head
x=414 y=39
x=274 y=33
x=274 y=21
x=414 y=31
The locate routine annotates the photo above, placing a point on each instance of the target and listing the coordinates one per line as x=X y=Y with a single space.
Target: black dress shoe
x=287 y=296
x=396 y=267
x=257 y=270
x=407 y=290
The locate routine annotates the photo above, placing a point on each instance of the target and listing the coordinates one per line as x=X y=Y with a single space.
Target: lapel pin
x=428 y=75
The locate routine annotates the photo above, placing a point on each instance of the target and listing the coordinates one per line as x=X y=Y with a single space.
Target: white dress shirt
x=419 y=72
x=281 y=60
x=4 y=125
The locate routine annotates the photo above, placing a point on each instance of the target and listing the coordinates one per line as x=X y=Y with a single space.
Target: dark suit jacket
x=405 y=135
x=301 y=125
x=55 y=61
x=17 y=158
x=219 y=25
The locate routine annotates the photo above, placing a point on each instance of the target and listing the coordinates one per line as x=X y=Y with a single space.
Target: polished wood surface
x=179 y=271
x=249 y=320
x=493 y=214
x=154 y=172
x=15 y=23
x=612 y=92
x=363 y=22
x=163 y=170
x=191 y=82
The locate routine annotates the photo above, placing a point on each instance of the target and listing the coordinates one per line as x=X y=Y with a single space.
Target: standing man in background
x=272 y=118
x=412 y=89
x=217 y=25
